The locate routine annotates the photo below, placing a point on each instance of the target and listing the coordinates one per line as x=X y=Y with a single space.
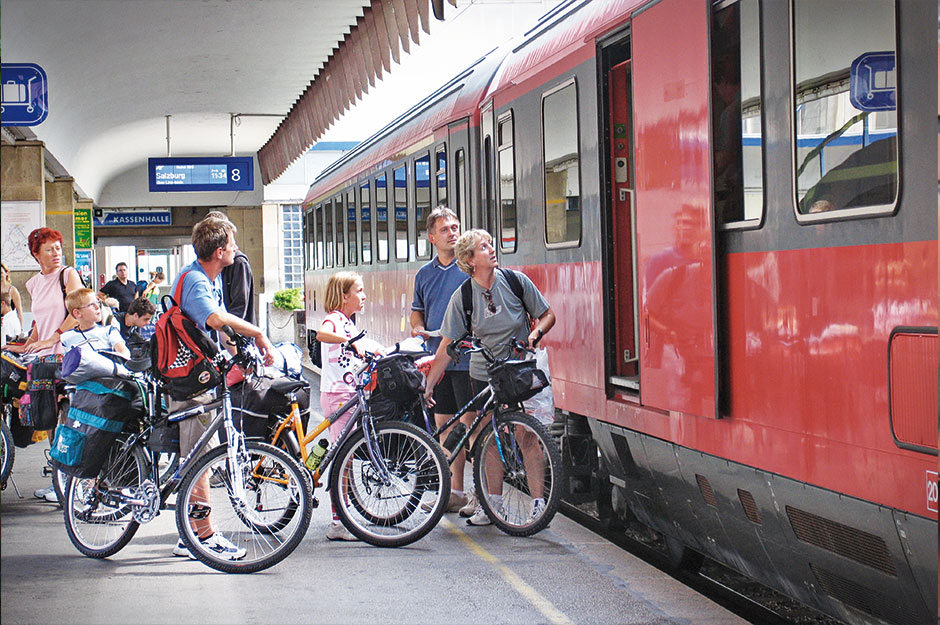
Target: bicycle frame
x=361 y=415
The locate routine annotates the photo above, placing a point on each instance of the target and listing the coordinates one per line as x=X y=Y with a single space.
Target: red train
x=730 y=206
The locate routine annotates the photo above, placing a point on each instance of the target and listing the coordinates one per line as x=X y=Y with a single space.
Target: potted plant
x=281 y=317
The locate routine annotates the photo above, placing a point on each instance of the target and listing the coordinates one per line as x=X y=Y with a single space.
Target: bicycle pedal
x=47 y=471
x=316 y=502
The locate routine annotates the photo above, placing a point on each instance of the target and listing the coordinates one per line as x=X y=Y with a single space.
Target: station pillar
x=22 y=180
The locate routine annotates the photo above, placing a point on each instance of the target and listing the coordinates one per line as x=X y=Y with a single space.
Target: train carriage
x=730 y=207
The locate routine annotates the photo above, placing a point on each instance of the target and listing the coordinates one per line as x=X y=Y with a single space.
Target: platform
x=456 y=574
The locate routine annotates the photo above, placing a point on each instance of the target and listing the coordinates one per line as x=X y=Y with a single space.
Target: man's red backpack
x=186 y=356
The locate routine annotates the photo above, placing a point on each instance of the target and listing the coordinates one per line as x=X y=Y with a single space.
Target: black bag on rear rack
x=12 y=376
x=257 y=408
x=398 y=378
x=515 y=381
x=99 y=411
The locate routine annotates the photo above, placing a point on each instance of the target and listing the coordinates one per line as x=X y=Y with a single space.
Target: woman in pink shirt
x=45 y=291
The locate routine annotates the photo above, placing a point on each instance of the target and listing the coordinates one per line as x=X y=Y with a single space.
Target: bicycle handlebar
x=473 y=344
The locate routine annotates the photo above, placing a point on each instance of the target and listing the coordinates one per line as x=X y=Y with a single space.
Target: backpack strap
x=62 y=273
x=514 y=285
x=178 y=293
x=466 y=294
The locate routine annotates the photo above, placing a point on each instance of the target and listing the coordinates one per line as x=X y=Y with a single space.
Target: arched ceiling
x=117 y=68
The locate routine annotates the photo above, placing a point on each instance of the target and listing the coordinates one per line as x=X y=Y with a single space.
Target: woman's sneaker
x=479 y=517
x=42 y=493
x=471 y=507
x=338 y=531
x=224 y=547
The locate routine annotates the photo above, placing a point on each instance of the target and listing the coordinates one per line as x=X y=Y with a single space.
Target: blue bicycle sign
x=25 y=97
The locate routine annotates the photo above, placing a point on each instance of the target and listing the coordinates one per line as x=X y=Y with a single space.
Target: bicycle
x=389 y=481
x=514 y=458
x=261 y=501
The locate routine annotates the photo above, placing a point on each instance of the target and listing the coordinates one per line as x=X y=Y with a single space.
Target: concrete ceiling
x=116 y=68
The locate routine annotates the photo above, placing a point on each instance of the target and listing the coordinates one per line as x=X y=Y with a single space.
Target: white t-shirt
x=11 y=327
x=97 y=338
x=336 y=361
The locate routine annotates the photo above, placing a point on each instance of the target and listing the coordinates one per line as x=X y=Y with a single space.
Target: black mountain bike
x=257 y=494
x=517 y=468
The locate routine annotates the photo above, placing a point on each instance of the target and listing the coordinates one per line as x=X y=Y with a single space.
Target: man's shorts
x=452 y=393
x=193 y=427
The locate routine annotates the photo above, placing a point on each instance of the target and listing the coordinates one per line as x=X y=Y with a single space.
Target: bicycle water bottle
x=450 y=443
x=315 y=457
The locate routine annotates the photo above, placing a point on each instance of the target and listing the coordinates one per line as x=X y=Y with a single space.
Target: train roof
x=458 y=98
x=569 y=30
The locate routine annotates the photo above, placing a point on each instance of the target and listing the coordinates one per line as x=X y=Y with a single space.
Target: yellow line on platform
x=543 y=605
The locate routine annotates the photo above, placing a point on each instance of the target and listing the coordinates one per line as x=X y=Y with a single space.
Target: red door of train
x=675 y=232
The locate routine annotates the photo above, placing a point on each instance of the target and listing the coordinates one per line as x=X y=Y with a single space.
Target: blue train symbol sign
x=25 y=95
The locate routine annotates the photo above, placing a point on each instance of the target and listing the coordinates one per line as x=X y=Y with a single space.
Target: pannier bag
x=515 y=381
x=398 y=378
x=257 y=408
x=185 y=355
x=38 y=408
x=99 y=411
x=12 y=376
x=165 y=438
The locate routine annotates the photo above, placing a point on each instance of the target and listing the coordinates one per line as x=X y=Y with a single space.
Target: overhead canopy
x=116 y=70
x=384 y=29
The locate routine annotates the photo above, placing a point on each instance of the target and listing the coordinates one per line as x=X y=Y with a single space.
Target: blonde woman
x=498 y=318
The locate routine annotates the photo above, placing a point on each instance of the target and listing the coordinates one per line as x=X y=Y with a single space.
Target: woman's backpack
x=185 y=358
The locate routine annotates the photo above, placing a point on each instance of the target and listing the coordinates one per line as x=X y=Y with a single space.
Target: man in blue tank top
x=435 y=283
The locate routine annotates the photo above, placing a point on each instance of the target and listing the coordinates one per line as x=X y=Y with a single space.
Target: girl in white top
x=344 y=297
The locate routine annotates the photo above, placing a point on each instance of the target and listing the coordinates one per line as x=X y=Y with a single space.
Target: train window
x=340 y=231
x=562 y=166
x=460 y=184
x=736 y=114
x=422 y=205
x=328 y=228
x=365 y=213
x=381 y=217
x=401 y=212
x=352 y=255
x=845 y=109
x=507 y=185
x=442 y=176
x=306 y=227
x=318 y=237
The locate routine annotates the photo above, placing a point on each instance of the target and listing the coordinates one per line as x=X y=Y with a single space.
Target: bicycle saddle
x=286 y=386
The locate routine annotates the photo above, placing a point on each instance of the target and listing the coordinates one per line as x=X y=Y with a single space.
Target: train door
x=675 y=231
x=622 y=255
x=458 y=147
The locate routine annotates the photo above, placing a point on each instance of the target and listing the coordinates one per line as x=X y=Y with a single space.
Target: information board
x=232 y=173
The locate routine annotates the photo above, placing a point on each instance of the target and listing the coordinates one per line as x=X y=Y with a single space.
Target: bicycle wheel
x=517 y=474
x=257 y=524
x=395 y=508
x=402 y=509
x=98 y=520
x=7 y=452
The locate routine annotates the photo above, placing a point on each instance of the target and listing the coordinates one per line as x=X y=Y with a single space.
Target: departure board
x=234 y=173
